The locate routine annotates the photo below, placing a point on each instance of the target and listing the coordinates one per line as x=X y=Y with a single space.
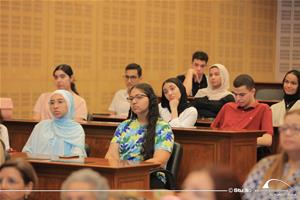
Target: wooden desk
x=201 y=146
x=203 y=122
x=119 y=174
x=107 y=118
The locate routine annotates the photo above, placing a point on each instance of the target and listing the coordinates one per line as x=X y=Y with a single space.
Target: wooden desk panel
x=119 y=174
x=201 y=146
x=203 y=122
x=107 y=118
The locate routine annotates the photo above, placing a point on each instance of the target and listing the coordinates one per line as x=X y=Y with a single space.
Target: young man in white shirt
x=119 y=105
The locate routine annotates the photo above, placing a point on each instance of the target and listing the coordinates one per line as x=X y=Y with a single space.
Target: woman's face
x=290 y=84
x=58 y=106
x=290 y=133
x=139 y=102
x=215 y=78
x=62 y=80
x=11 y=179
x=171 y=91
x=198 y=181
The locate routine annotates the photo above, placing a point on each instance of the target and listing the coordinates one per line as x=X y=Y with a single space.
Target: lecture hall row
x=146 y=142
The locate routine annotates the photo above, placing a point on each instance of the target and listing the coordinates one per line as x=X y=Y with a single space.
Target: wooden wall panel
x=99 y=38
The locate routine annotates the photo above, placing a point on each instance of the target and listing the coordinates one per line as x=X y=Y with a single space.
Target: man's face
x=243 y=96
x=198 y=66
x=131 y=78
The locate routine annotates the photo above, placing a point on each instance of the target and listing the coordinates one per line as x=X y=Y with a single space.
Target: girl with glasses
x=144 y=136
x=61 y=135
x=281 y=172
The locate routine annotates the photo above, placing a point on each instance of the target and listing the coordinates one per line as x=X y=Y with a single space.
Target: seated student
x=174 y=107
x=143 y=137
x=291 y=100
x=17 y=175
x=246 y=113
x=195 y=79
x=60 y=135
x=3 y=154
x=64 y=79
x=210 y=100
x=6 y=108
x=85 y=179
x=4 y=135
x=281 y=171
x=208 y=179
x=119 y=105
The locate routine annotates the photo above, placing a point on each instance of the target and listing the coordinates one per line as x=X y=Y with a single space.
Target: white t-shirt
x=4 y=136
x=119 y=104
x=186 y=119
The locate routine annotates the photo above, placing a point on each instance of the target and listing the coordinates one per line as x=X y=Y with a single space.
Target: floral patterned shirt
x=130 y=136
x=255 y=178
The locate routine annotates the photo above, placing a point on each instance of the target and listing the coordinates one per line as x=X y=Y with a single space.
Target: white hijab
x=222 y=91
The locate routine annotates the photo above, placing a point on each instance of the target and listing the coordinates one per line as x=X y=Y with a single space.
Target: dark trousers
x=262 y=152
x=155 y=182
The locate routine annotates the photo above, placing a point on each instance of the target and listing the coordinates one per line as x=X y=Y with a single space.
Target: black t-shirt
x=196 y=86
x=210 y=108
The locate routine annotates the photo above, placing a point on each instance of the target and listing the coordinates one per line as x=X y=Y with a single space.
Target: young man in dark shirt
x=195 y=79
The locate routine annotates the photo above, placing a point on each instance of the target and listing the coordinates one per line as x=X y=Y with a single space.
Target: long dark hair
x=68 y=70
x=297 y=94
x=183 y=101
x=153 y=114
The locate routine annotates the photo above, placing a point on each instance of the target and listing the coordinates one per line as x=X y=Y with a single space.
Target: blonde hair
x=276 y=170
x=93 y=178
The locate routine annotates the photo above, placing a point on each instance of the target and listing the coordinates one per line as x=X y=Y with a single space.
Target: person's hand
x=192 y=72
x=174 y=104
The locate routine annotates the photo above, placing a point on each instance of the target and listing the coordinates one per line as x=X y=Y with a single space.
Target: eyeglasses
x=137 y=97
x=130 y=77
x=292 y=128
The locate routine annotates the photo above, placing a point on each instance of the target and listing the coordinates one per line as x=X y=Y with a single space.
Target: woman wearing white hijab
x=210 y=100
x=60 y=135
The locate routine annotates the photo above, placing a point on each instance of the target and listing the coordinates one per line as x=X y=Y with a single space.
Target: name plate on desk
x=68 y=160
x=33 y=156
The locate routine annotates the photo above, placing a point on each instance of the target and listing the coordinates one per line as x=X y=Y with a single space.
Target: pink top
x=42 y=106
x=6 y=107
x=257 y=117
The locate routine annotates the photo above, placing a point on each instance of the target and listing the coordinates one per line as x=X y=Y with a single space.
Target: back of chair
x=87 y=149
x=174 y=160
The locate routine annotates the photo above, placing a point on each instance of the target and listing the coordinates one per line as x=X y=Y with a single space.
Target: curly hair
x=152 y=117
x=183 y=101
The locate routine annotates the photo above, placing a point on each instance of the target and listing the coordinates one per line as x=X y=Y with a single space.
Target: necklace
x=290 y=104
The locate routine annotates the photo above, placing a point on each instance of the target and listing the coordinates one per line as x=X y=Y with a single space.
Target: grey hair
x=93 y=178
